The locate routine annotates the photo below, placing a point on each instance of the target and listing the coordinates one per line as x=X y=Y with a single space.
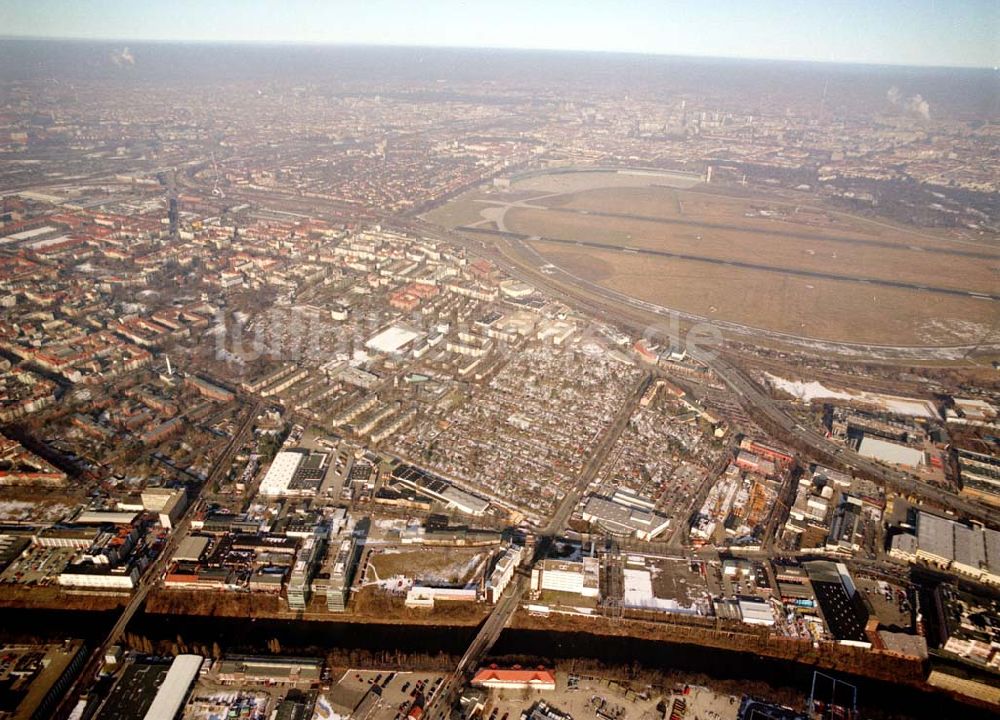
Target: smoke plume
x=122 y=58
x=918 y=107
x=914 y=106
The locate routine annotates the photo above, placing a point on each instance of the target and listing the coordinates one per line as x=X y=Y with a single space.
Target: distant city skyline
x=961 y=33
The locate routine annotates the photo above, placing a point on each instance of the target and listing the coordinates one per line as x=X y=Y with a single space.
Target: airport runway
x=780 y=233
x=812 y=274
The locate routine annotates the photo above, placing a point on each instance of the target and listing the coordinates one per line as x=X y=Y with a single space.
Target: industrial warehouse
x=971 y=551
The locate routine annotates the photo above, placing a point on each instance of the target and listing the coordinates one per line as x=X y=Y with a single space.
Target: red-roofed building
x=515 y=679
x=776 y=455
x=481 y=269
x=404 y=301
x=644 y=352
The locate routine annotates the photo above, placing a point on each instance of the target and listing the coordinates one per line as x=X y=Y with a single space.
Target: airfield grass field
x=826 y=256
x=695 y=222
x=823 y=309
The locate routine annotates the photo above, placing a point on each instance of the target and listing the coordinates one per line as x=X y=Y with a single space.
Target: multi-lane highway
x=440 y=704
x=754 y=397
x=598 y=456
x=636 y=317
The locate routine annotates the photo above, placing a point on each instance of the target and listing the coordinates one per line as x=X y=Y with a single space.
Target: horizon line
x=419 y=46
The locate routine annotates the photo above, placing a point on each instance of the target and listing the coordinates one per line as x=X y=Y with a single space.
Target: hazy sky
x=911 y=32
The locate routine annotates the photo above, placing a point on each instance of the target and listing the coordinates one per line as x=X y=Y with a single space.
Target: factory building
x=755 y=611
x=581 y=578
x=104 y=517
x=845 y=528
x=503 y=573
x=192 y=548
x=625 y=514
x=155 y=498
x=980 y=475
x=775 y=455
x=890 y=453
x=392 y=340
x=36 y=676
x=103 y=577
x=295 y=473
x=973 y=551
x=172 y=509
x=844 y=610
x=299 y=671
x=755 y=463
x=66 y=537
x=439 y=489
x=173 y=692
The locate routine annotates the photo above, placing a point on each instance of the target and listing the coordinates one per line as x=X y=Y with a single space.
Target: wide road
x=596 y=461
x=439 y=705
x=762 y=403
x=522 y=262
x=152 y=575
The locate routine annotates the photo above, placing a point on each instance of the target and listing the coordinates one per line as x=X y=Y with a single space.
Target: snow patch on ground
x=324 y=710
x=952 y=330
x=807 y=391
x=21 y=510
x=444 y=577
x=813 y=390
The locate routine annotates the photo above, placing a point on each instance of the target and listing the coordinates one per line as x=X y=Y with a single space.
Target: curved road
x=869 y=351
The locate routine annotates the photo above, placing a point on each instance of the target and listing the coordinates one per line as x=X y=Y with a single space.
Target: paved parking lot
x=38 y=566
x=399 y=691
x=592 y=698
x=888 y=600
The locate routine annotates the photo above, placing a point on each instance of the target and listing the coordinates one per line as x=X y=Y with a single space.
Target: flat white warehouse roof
x=392 y=339
x=280 y=474
x=173 y=692
x=28 y=234
x=889 y=452
x=102 y=517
